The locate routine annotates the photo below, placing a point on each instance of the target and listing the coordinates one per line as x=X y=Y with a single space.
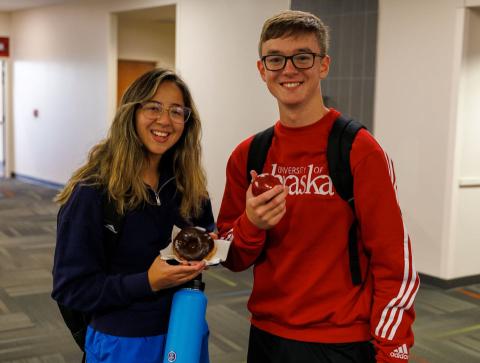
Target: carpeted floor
x=447 y=328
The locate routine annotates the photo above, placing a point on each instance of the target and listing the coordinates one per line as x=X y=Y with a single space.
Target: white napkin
x=220 y=255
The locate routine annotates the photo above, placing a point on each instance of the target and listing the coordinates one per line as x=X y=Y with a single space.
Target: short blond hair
x=294 y=22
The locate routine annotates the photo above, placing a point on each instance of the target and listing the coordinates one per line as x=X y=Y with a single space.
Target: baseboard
x=449 y=284
x=36 y=181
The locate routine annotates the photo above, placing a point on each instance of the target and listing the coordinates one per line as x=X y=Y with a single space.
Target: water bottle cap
x=198 y=285
x=195 y=284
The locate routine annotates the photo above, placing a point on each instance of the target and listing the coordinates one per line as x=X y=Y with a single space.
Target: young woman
x=149 y=167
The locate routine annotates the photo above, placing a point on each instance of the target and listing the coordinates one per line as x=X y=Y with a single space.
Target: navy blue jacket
x=121 y=300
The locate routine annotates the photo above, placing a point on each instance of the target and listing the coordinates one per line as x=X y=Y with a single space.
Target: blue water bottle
x=187 y=337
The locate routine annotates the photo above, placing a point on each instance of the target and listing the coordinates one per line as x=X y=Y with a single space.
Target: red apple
x=264 y=182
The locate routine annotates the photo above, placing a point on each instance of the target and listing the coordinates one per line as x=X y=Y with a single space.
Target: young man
x=304 y=305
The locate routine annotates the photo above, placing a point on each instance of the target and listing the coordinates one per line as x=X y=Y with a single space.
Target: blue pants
x=104 y=348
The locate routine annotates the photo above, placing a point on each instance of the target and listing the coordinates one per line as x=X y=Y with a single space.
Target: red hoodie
x=302 y=284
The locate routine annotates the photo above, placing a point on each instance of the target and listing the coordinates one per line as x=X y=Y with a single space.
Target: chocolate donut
x=193 y=244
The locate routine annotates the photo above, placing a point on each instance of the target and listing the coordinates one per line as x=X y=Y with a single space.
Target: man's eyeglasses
x=276 y=62
x=154 y=109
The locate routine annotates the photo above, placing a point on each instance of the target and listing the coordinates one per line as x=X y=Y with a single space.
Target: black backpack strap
x=340 y=142
x=339 y=146
x=354 y=258
x=77 y=321
x=257 y=154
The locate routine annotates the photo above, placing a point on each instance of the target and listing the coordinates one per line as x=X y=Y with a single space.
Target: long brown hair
x=117 y=162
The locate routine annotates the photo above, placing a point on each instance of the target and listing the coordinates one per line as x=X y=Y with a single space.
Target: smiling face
x=159 y=134
x=295 y=88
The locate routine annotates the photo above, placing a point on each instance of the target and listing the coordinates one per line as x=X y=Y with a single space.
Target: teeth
x=159 y=133
x=291 y=84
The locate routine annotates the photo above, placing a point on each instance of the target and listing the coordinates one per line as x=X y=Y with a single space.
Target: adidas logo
x=400 y=352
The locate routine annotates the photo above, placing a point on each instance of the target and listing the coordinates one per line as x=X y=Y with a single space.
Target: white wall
x=466 y=202
x=217 y=44
x=4 y=31
x=470 y=95
x=472 y=3
x=63 y=66
x=59 y=68
x=6 y=131
x=417 y=83
x=147 y=41
x=4 y=24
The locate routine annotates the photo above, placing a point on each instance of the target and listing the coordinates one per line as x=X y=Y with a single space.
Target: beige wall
x=147 y=41
x=419 y=68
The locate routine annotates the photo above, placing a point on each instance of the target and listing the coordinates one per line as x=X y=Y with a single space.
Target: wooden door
x=129 y=71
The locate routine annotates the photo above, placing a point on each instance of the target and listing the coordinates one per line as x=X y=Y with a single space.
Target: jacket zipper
x=157 y=197
x=157 y=193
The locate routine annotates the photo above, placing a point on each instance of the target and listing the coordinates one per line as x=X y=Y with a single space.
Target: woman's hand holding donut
x=162 y=275
x=268 y=208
